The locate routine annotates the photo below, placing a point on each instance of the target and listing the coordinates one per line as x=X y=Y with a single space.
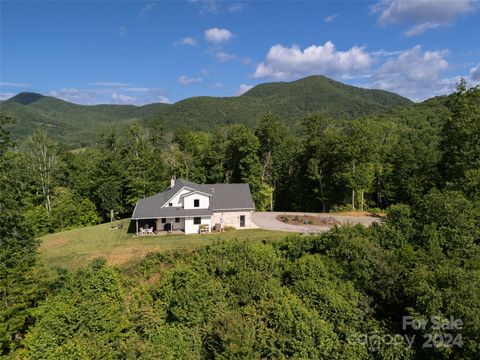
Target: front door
x=242 y=220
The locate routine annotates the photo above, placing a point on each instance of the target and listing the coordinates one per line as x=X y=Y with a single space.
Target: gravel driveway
x=268 y=221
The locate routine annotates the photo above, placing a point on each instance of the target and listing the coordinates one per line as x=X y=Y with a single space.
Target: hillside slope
x=289 y=100
x=78 y=125
x=75 y=124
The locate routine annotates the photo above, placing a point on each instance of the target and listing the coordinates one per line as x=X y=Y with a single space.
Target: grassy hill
x=78 y=247
x=79 y=125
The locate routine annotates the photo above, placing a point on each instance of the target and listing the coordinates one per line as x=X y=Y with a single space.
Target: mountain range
x=79 y=125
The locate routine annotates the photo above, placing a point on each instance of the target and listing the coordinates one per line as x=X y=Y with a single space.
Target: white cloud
x=417 y=65
x=190 y=41
x=217 y=36
x=145 y=10
x=110 y=84
x=421 y=28
x=113 y=95
x=414 y=73
x=386 y=53
x=284 y=63
x=5 y=96
x=15 y=85
x=185 y=80
x=163 y=99
x=242 y=89
x=422 y=14
x=123 y=99
x=331 y=18
x=222 y=56
x=122 y=30
x=475 y=73
x=78 y=96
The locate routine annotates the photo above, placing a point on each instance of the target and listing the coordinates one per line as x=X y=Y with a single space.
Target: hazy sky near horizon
x=135 y=52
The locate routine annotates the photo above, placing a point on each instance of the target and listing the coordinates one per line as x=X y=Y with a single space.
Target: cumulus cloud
x=414 y=73
x=243 y=88
x=15 y=84
x=113 y=94
x=163 y=99
x=475 y=73
x=185 y=80
x=190 y=41
x=416 y=64
x=218 y=36
x=331 y=18
x=288 y=62
x=123 y=99
x=422 y=14
x=75 y=95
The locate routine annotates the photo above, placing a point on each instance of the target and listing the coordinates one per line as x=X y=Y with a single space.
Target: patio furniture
x=203 y=229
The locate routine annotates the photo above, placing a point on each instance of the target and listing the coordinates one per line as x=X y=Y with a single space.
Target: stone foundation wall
x=232 y=218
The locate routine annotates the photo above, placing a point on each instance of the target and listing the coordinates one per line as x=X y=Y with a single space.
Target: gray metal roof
x=223 y=197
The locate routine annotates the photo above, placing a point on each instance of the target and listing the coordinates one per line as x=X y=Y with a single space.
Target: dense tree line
x=364 y=164
x=317 y=296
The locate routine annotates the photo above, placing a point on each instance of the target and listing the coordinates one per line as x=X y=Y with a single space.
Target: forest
x=327 y=296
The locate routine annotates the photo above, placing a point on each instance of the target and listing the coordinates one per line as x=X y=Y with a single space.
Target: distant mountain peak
x=25 y=98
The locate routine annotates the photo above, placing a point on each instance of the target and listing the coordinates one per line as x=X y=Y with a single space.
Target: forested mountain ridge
x=74 y=124
x=78 y=125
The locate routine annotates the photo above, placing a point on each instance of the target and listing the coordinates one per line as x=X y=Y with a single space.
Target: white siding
x=232 y=218
x=191 y=228
x=177 y=201
x=188 y=201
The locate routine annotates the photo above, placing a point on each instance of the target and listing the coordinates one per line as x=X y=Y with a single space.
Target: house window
x=170 y=204
x=164 y=220
x=177 y=219
x=196 y=203
x=197 y=220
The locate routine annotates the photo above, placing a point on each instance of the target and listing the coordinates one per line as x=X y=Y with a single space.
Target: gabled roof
x=222 y=197
x=195 y=192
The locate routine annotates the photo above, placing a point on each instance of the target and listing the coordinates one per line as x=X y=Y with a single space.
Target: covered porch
x=159 y=226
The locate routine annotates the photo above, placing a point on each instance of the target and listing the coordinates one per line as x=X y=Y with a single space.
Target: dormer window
x=196 y=203
x=170 y=204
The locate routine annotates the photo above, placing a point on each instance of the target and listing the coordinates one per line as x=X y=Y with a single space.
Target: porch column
x=136 y=222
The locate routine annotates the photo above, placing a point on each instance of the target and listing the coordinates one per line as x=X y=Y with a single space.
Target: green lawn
x=76 y=248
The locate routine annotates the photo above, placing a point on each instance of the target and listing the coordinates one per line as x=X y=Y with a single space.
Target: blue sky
x=134 y=52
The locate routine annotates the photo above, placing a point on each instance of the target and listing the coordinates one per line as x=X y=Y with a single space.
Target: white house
x=192 y=208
